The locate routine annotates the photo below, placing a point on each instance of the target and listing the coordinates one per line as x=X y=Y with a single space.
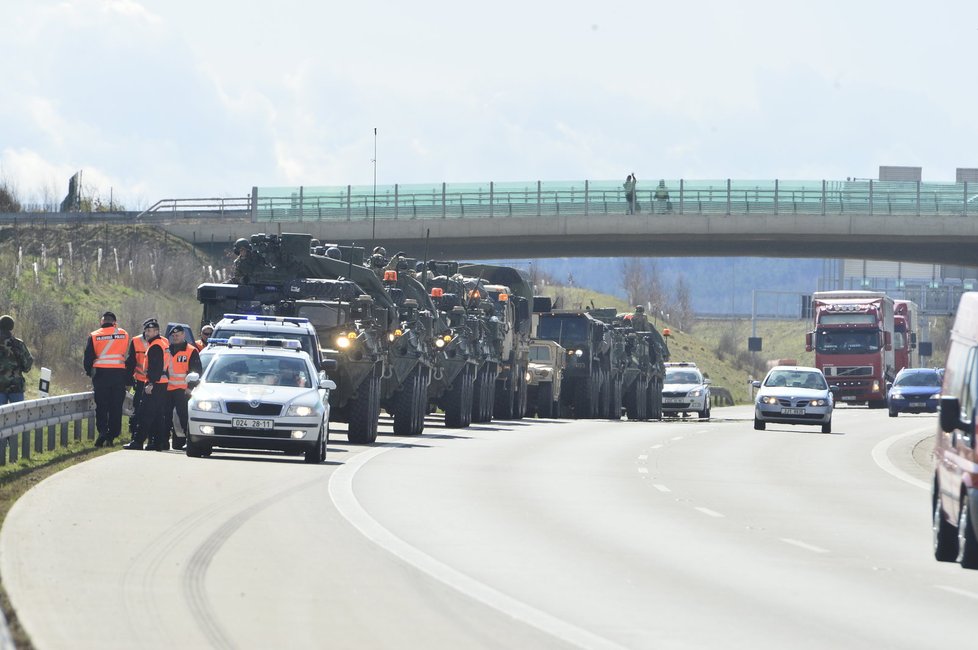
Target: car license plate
x=848 y=398
x=673 y=400
x=917 y=404
x=249 y=423
x=792 y=411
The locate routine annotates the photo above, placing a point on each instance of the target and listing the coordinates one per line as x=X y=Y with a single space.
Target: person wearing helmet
x=246 y=262
x=639 y=320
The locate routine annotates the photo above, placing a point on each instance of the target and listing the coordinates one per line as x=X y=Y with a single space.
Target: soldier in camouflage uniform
x=246 y=263
x=15 y=360
x=640 y=322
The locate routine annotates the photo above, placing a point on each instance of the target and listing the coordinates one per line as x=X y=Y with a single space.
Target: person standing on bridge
x=15 y=360
x=105 y=363
x=629 y=185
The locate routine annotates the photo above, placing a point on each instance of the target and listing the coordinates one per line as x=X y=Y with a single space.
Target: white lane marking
x=643 y=470
x=960 y=592
x=341 y=492
x=643 y=457
x=677 y=438
x=807 y=547
x=708 y=512
x=881 y=457
x=660 y=487
x=656 y=447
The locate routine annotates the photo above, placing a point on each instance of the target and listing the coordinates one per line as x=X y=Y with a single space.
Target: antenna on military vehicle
x=424 y=267
x=349 y=273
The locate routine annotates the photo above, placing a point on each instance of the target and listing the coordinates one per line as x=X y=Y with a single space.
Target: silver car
x=793 y=395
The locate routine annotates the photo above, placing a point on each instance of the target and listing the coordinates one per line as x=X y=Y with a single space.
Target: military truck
x=612 y=390
x=512 y=296
x=589 y=349
x=546 y=373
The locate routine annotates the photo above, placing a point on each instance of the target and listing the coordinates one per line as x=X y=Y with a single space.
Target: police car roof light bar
x=268 y=319
x=250 y=342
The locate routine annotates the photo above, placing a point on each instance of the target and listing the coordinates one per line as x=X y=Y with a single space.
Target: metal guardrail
x=46 y=423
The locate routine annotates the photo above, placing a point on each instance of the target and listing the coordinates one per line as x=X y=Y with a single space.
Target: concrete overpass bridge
x=905 y=221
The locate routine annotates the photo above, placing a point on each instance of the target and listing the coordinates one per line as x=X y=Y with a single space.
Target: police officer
x=205 y=334
x=184 y=359
x=15 y=360
x=135 y=359
x=639 y=320
x=105 y=363
x=153 y=402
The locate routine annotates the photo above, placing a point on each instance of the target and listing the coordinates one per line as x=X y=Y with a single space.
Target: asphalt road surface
x=529 y=534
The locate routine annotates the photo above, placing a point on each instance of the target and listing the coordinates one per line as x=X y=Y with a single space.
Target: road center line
x=660 y=487
x=643 y=457
x=881 y=456
x=708 y=512
x=643 y=470
x=677 y=438
x=807 y=547
x=343 y=497
x=656 y=447
x=959 y=592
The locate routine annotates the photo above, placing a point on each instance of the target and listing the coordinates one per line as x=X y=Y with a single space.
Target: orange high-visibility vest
x=200 y=345
x=179 y=367
x=139 y=347
x=164 y=345
x=111 y=345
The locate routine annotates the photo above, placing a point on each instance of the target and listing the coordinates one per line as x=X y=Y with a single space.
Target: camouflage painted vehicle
x=588 y=342
x=545 y=378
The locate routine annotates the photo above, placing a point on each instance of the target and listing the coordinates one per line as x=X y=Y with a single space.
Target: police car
x=260 y=394
x=685 y=390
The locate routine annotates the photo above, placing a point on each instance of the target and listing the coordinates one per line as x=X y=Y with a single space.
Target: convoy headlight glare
x=876 y=386
x=390 y=337
x=342 y=342
x=578 y=353
x=447 y=338
x=351 y=335
x=208 y=405
x=439 y=343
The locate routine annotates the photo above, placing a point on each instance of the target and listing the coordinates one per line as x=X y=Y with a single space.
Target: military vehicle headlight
x=342 y=342
x=208 y=405
x=528 y=375
x=391 y=337
x=876 y=385
x=578 y=353
x=439 y=343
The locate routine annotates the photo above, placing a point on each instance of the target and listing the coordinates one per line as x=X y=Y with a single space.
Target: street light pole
x=373 y=232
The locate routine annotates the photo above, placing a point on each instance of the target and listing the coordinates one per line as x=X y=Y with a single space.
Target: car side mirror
x=950 y=414
x=193 y=377
x=756 y=383
x=329 y=365
x=808 y=342
x=889 y=385
x=833 y=389
x=328 y=384
x=707 y=381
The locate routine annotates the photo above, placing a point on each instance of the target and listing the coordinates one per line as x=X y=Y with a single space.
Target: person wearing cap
x=105 y=363
x=137 y=379
x=184 y=359
x=205 y=334
x=15 y=360
x=153 y=401
x=640 y=322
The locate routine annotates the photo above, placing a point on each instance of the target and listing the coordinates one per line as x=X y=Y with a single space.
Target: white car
x=685 y=390
x=793 y=395
x=260 y=394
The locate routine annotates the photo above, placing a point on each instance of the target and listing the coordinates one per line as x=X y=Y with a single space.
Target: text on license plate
x=792 y=411
x=250 y=423
x=673 y=400
x=917 y=404
x=848 y=398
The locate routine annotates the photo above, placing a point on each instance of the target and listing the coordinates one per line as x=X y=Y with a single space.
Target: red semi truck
x=905 y=323
x=853 y=344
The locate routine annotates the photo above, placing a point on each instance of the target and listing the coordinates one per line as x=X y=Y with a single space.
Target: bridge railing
x=547 y=199
x=43 y=424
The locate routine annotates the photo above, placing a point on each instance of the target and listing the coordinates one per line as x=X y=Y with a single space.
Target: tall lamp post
x=373 y=232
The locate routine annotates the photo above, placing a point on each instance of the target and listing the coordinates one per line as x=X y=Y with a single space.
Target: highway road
x=530 y=534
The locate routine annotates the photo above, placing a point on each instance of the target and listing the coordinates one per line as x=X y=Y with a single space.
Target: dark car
x=915 y=390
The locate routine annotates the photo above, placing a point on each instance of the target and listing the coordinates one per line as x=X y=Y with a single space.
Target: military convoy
x=410 y=337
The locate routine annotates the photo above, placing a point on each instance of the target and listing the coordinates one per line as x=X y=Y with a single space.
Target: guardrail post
x=64 y=434
x=871 y=196
x=823 y=197
x=349 y=202
x=538 y=199
x=12 y=444
x=39 y=440
x=25 y=444
x=728 y=197
x=91 y=428
x=776 y=196
x=492 y=191
x=682 y=197
x=3 y=451
x=52 y=429
x=586 y=198
x=444 y=208
x=77 y=427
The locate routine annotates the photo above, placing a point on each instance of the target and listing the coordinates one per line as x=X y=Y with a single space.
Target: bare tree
x=682 y=309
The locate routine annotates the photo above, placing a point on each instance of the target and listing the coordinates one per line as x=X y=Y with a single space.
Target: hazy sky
x=206 y=98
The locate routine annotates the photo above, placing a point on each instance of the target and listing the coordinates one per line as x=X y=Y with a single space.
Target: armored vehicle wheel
x=407 y=404
x=364 y=411
x=483 y=394
x=422 y=406
x=614 y=406
x=655 y=403
x=318 y=454
x=945 y=535
x=967 y=542
x=458 y=401
x=545 y=400
x=504 y=407
x=521 y=394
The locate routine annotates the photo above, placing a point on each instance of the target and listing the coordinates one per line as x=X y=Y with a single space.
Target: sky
x=194 y=99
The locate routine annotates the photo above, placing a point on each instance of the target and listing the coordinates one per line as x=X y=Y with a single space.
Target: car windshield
x=796 y=379
x=683 y=377
x=847 y=341
x=918 y=379
x=323 y=316
x=252 y=368
x=539 y=353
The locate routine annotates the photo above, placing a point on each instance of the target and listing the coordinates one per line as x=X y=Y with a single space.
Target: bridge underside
x=928 y=239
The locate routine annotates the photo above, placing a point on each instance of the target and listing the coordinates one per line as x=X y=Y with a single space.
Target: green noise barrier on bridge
x=665 y=196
